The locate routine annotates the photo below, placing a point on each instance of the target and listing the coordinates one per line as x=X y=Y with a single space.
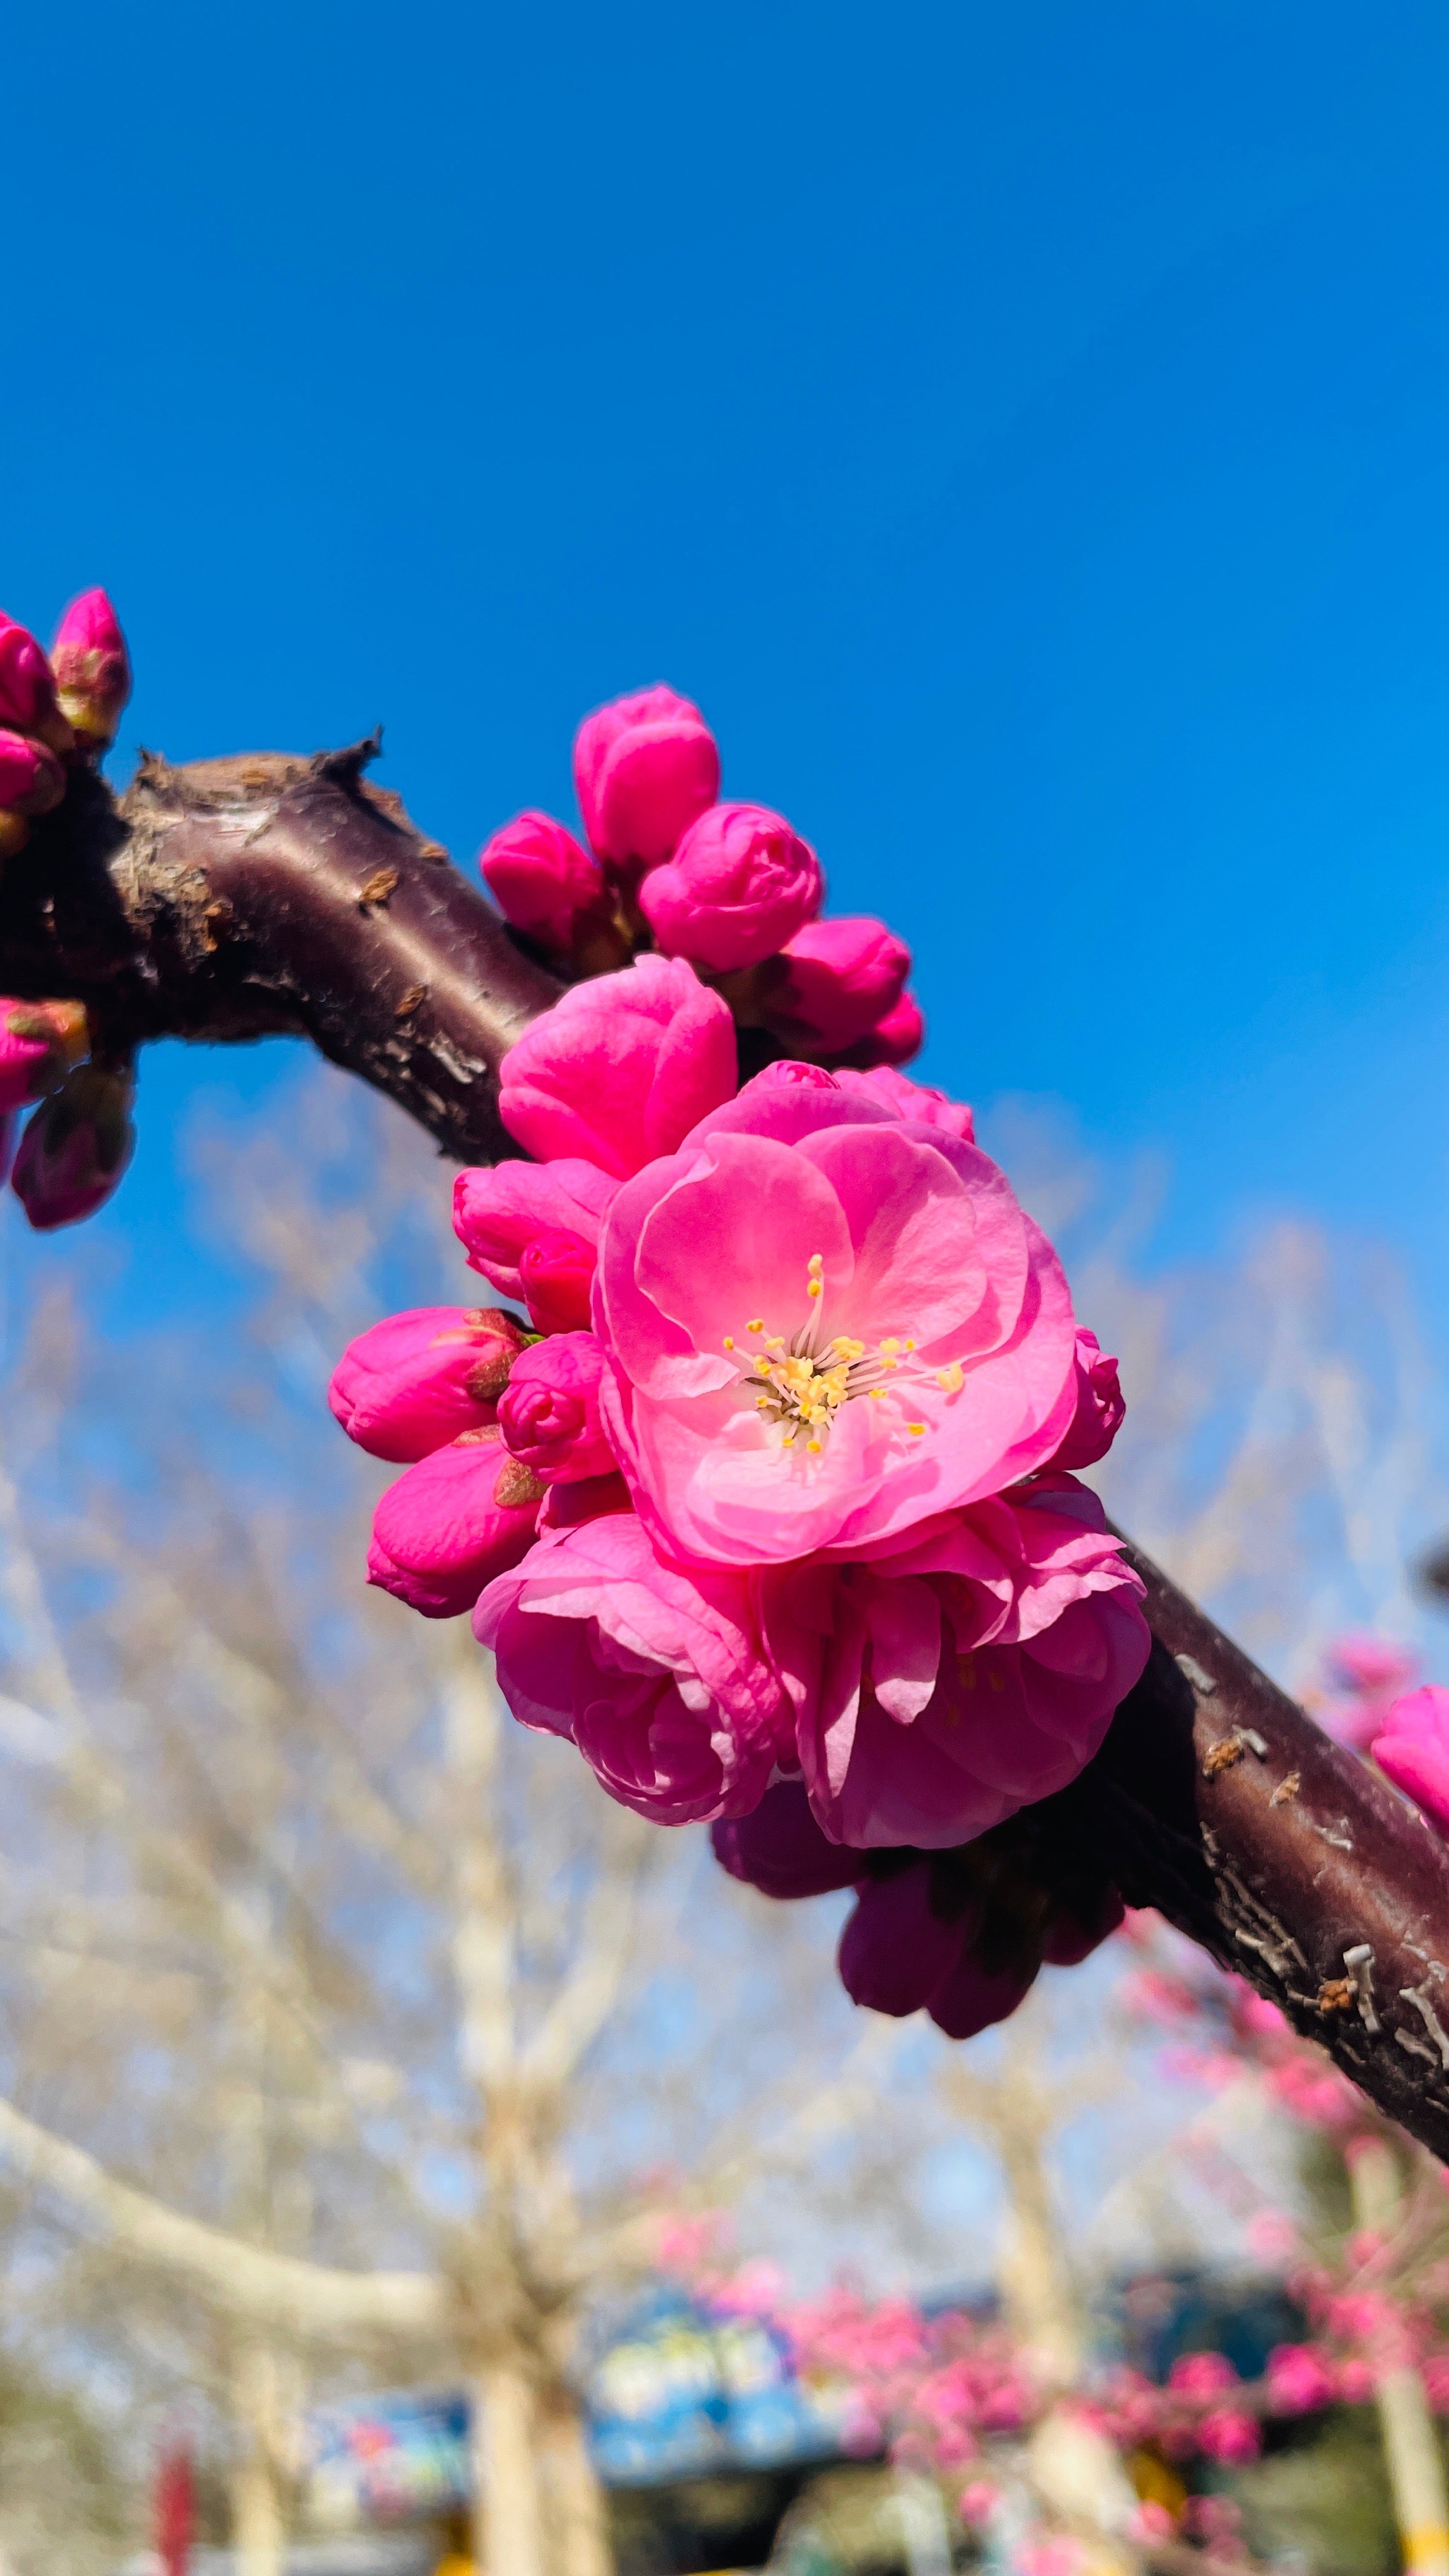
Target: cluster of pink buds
x=732 y=889
x=56 y=708
x=761 y=1488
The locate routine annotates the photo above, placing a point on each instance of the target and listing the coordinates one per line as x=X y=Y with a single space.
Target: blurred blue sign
x=684 y=2391
x=388 y=2459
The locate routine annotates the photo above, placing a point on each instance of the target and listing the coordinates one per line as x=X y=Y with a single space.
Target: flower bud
x=553 y=891
x=39 y=1043
x=1100 y=1406
x=417 y=1380
x=28 y=701
x=557 y=1271
x=780 y=1849
x=897 y=1037
x=643 y=768
x=76 y=1146
x=841 y=979
x=740 y=884
x=451 y=1523
x=31 y=778
x=92 y=668
x=549 y=1411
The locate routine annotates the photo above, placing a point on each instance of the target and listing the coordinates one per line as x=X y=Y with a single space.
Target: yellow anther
x=952 y=1378
x=756 y=1324
x=816 y=1288
x=877 y=1394
x=762 y=1366
x=814 y=1447
x=729 y=1341
x=915 y=1429
x=910 y=1346
x=889 y=1345
x=815 y=1264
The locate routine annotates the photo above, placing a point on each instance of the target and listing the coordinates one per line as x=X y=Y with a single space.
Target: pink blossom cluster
x=761 y=1489
x=732 y=888
x=57 y=711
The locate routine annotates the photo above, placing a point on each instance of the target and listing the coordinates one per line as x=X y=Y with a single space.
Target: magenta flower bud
x=31 y=778
x=546 y=885
x=549 y=1411
x=76 y=1146
x=92 y=668
x=28 y=703
x=1101 y=1408
x=418 y=1380
x=39 y=1042
x=896 y=1949
x=841 y=979
x=617 y=1073
x=780 y=1849
x=451 y=1523
x=1413 y=1750
x=643 y=768
x=557 y=1272
x=739 y=885
x=898 y=1036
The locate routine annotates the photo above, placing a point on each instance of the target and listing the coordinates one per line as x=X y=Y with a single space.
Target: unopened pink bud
x=841 y=979
x=28 y=701
x=549 y=1412
x=643 y=768
x=897 y=1037
x=417 y=1380
x=545 y=883
x=31 y=778
x=740 y=884
x=39 y=1042
x=451 y=1523
x=557 y=1271
x=76 y=1147
x=1101 y=1408
x=92 y=667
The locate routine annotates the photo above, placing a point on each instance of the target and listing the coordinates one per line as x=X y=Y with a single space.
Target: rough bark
x=264 y=893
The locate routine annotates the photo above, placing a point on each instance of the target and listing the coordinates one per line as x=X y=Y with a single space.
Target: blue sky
x=1025 y=431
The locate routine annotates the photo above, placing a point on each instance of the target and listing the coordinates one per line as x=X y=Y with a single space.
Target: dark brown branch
x=264 y=894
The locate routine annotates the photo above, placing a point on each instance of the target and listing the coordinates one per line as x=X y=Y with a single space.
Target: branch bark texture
x=265 y=894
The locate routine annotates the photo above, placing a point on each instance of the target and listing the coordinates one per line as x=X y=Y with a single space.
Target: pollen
x=951 y=1379
x=816 y=1288
x=729 y=1341
x=756 y=1324
x=915 y=1429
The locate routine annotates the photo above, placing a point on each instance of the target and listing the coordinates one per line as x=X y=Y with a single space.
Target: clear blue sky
x=1025 y=430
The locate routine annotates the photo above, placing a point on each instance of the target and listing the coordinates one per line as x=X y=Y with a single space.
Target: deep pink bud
x=557 y=1271
x=619 y=1070
x=841 y=979
x=451 y=1523
x=76 y=1146
x=1100 y=1406
x=1413 y=1750
x=549 y=1412
x=92 y=667
x=39 y=1042
x=31 y=778
x=896 y=1949
x=740 y=885
x=500 y=1208
x=897 y=1037
x=1067 y=1939
x=643 y=768
x=415 y=1381
x=972 y=1997
x=28 y=702
x=780 y=1849
x=544 y=883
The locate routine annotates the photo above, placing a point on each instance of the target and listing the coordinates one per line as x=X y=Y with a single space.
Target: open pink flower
x=740 y=884
x=644 y=766
x=500 y=1210
x=654 y=1674
x=621 y=1068
x=825 y=1324
x=952 y=1680
x=1413 y=1750
x=415 y=1381
x=918 y=1100
x=549 y=1413
x=451 y=1523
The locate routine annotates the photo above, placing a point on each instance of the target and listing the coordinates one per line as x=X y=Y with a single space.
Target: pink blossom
x=895 y=1039
x=39 y=1042
x=1100 y=1408
x=780 y=1849
x=451 y=1523
x=549 y=1411
x=557 y=1274
x=656 y=1675
x=1413 y=1750
x=1202 y=2374
x=501 y=1209
x=644 y=767
x=28 y=702
x=76 y=1147
x=1228 y=2435
x=941 y=1687
x=825 y=1325
x=740 y=885
x=1300 y=2380
x=414 y=1382
x=914 y=1100
x=978 y=2502
x=621 y=1068
x=92 y=667
x=897 y=1948
x=543 y=882
x=32 y=780
x=840 y=978
x=975 y=1997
